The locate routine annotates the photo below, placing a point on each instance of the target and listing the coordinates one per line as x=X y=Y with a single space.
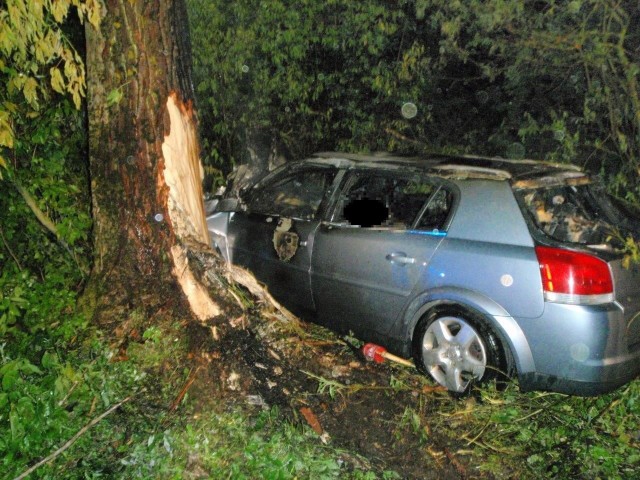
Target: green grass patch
x=57 y=376
x=236 y=445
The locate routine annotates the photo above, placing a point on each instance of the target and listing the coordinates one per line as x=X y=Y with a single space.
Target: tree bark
x=144 y=164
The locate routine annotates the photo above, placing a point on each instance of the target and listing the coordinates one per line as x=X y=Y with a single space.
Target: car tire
x=458 y=349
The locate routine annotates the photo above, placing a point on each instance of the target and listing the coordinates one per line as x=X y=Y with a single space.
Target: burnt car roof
x=521 y=173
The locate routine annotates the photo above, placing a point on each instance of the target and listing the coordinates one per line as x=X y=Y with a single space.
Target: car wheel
x=457 y=349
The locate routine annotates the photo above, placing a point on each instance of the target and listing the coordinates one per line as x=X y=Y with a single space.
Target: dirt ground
x=380 y=412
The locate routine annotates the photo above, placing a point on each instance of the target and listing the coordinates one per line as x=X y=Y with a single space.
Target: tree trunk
x=144 y=164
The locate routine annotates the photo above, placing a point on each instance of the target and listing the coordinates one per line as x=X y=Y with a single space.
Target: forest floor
x=386 y=417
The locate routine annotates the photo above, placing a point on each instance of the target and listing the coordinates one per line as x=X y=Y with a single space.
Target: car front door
x=274 y=237
x=368 y=259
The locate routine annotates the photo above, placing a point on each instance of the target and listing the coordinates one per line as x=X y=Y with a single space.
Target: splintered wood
x=183 y=175
x=199 y=299
x=247 y=280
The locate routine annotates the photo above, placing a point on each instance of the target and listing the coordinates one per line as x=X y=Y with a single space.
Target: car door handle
x=400 y=258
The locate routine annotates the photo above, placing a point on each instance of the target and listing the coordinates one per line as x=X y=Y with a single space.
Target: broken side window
x=297 y=195
x=377 y=199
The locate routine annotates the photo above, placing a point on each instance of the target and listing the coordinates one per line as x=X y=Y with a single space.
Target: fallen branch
x=190 y=379
x=66 y=397
x=73 y=440
x=404 y=138
x=457 y=465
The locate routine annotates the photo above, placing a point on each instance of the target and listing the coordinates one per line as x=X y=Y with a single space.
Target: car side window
x=378 y=199
x=296 y=195
x=437 y=211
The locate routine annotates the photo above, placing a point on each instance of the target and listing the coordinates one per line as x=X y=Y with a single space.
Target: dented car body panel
x=375 y=244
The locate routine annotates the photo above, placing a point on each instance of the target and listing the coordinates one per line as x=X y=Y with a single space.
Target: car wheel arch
x=497 y=319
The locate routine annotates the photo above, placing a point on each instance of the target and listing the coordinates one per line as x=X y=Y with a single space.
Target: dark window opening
x=385 y=201
x=437 y=211
x=297 y=195
x=365 y=212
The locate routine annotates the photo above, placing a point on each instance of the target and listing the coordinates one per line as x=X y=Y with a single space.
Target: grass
x=56 y=378
x=536 y=434
x=236 y=445
x=508 y=433
x=142 y=439
x=553 y=435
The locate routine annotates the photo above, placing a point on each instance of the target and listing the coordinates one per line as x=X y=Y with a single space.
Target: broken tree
x=151 y=245
x=144 y=163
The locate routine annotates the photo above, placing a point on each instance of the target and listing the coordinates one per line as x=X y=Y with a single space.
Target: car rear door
x=274 y=237
x=368 y=259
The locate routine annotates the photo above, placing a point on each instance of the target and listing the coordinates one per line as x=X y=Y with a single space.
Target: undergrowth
x=57 y=375
x=549 y=435
x=509 y=434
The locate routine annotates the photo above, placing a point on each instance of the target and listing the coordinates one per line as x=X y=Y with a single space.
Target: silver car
x=475 y=267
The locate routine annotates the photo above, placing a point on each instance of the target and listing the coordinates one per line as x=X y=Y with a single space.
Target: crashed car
x=474 y=267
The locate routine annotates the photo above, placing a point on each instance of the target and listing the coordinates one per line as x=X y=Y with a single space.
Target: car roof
x=521 y=173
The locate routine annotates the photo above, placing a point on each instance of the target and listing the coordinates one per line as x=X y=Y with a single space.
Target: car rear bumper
x=580 y=350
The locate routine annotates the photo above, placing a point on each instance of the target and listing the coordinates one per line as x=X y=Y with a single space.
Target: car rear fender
x=498 y=318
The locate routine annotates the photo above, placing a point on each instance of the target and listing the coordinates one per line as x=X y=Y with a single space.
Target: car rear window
x=580 y=214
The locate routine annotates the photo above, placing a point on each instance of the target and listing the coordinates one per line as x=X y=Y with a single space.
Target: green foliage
x=47 y=389
x=552 y=80
x=47 y=162
x=311 y=76
x=38 y=383
x=44 y=209
x=547 y=435
x=568 y=70
x=50 y=389
x=53 y=383
x=37 y=60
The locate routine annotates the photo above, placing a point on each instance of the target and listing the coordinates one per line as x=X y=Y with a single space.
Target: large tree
x=144 y=163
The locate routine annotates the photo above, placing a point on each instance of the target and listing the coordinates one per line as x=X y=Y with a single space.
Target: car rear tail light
x=574 y=277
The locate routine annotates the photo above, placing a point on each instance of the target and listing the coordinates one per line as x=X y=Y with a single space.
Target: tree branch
x=45 y=221
x=403 y=138
x=6 y=245
x=40 y=215
x=73 y=439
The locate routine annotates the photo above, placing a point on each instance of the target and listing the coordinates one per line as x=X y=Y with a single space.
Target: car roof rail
x=469 y=171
